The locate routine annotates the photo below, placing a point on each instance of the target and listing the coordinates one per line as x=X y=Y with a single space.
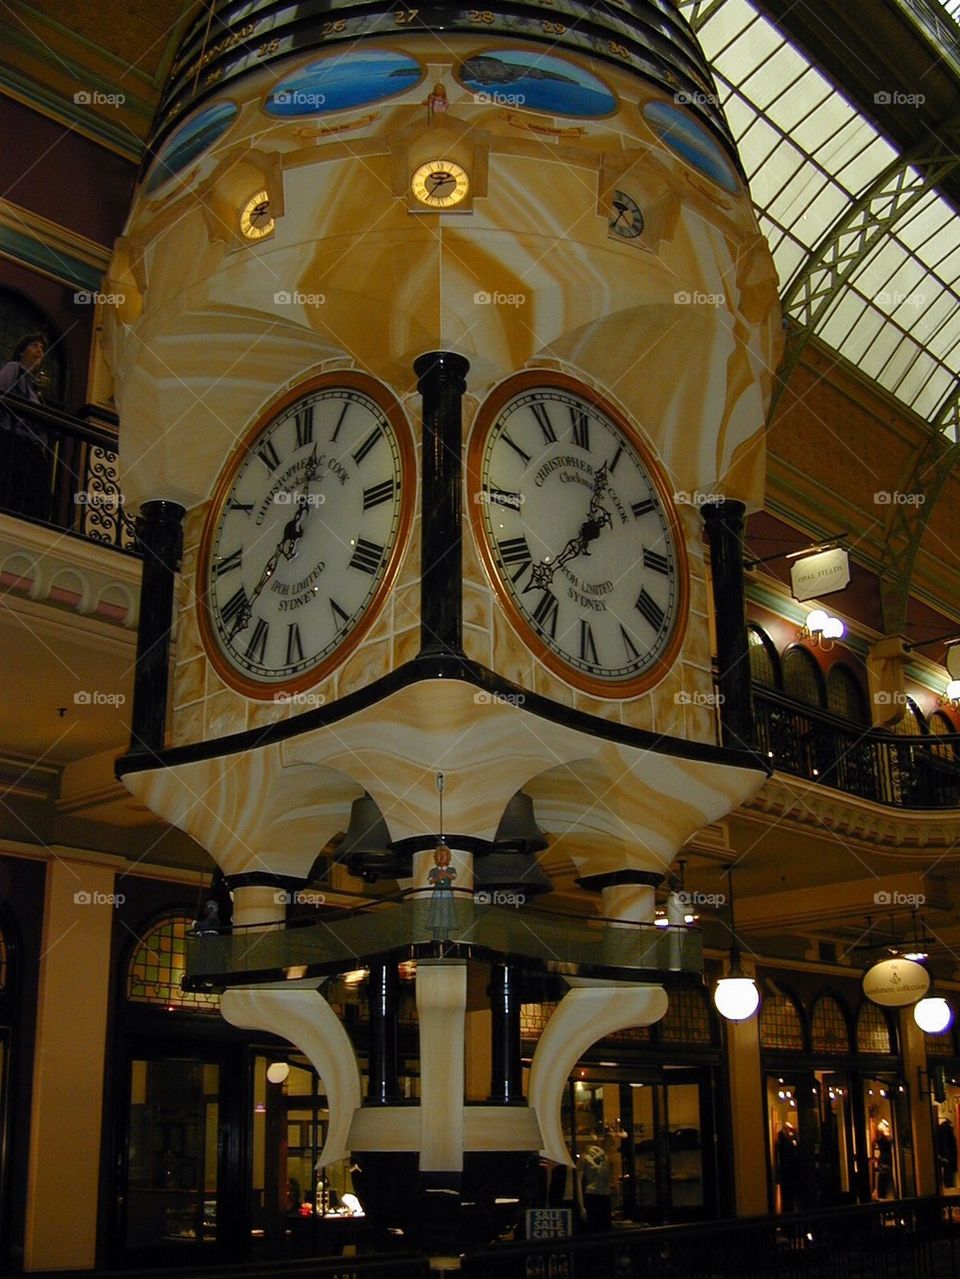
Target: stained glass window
x=533 y=1019
x=939 y=1045
x=801 y=677
x=158 y=965
x=763 y=661
x=687 y=1020
x=873 y=1031
x=780 y=1024
x=912 y=723
x=828 y=1027
x=844 y=696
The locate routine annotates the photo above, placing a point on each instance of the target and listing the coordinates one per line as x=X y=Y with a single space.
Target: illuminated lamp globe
x=933 y=1015
x=277 y=1071
x=736 y=997
x=953 y=690
x=816 y=621
x=833 y=628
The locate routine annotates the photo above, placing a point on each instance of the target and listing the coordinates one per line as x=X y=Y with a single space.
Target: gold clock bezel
x=266 y=690
x=418 y=184
x=247 y=228
x=487 y=415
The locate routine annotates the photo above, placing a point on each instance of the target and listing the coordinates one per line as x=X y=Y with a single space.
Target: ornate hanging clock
x=305 y=534
x=578 y=533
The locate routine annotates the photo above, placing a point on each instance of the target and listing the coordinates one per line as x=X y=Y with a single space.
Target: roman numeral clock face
x=579 y=535
x=305 y=535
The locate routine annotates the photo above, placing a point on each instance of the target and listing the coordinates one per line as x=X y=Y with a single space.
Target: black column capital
x=724 y=524
x=442 y=384
x=434 y=368
x=160 y=541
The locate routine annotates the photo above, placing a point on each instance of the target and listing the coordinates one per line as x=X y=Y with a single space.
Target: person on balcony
x=24 y=454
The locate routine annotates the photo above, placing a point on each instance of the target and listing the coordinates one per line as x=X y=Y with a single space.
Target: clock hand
x=598 y=517
x=286 y=548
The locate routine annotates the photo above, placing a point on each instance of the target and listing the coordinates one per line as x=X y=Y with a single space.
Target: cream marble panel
x=188 y=683
x=370 y=662
x=406 y=645
x=441 y=1008
x=188 y=636
x=583 y=1016
x=188 y=724
x=477 y=607
x=512 y=658
x=304 y=1018
x=225 y=713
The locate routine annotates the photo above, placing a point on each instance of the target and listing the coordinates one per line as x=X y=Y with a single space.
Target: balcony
x=61 y=472
x=903 y=772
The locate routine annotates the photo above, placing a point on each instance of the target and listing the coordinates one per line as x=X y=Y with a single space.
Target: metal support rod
x=506 y=1085
x=383 y=996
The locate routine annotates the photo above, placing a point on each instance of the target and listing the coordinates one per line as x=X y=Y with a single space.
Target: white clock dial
x=305 y=536
x=579 y=534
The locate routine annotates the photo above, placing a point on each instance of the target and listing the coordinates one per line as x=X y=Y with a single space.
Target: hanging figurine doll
x=442 y=917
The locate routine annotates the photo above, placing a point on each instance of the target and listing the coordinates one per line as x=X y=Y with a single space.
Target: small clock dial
x=440 y=184
x=579 y=534
x=256 y=220
x=626 y=219
x=305 y=535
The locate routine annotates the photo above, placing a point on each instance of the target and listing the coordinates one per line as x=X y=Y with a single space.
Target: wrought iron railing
x=910 y=1239
x=57 y=470
x=908 y=772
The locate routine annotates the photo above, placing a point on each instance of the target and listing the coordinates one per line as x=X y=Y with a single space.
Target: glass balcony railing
x=59 y=471
x=456 y=925
x=907 y=772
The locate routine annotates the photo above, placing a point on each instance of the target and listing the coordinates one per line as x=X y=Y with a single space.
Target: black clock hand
x=286 y=548
x=598 y=517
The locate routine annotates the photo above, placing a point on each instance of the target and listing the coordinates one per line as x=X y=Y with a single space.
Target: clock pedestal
x=264 y=804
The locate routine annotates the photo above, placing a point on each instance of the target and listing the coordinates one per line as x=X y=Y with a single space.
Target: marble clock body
x=601 y=256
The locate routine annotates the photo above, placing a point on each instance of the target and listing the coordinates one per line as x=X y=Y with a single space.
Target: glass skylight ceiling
x=808 y=155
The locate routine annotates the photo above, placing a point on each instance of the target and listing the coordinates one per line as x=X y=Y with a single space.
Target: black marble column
x=441 y=382
x=506 y=1085
x=160 y=532
x=383 y=1001
x=724 y=523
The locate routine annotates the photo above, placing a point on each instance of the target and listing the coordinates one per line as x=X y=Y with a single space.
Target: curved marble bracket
x=306 y=1019
x=584 y=1015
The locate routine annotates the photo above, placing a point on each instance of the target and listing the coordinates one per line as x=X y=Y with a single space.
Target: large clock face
x=305 y=534
x=578 y=533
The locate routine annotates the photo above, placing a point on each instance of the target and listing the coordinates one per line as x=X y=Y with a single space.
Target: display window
x=881 y=1120
x=645 y=1147
x=811 y=1139
x=946 y=1125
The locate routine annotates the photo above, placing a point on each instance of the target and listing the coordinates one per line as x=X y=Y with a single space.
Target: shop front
x=641 y=1119
x=837 y=1106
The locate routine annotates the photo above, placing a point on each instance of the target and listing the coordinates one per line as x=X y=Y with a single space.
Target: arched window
x=940 y=726
x=873 y=1031
x=801 y=677
x=828 y=1027
x=912 y=724
x=157 y=966
x=687 y=1019
x=780 y=1023
x=939 y=1045
x=844 y=695
x=19 y=317
x=764 y=664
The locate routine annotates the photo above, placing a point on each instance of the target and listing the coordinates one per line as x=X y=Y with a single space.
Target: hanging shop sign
x=820 y=574
x=896 y=983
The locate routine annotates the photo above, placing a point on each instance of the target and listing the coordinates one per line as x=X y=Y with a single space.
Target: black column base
x=442 y=1213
